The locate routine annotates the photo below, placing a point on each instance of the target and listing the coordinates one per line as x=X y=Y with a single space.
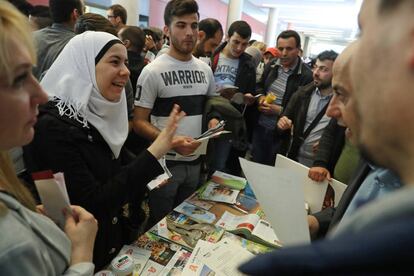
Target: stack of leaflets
x=251 y=227
x=216 y=192
x=213 y=132
x=167 y=258
x=182 y=230
x=222 y=258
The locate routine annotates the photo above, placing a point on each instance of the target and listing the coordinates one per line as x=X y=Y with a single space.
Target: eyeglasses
x=110 y=16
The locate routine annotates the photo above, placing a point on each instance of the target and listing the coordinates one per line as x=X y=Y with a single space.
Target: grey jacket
x=31 y=244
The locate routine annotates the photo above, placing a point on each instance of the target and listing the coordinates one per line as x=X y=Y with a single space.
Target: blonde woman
x=30 y=243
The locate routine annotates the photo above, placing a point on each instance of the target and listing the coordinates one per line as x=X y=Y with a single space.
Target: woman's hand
x=164 y=141
x=81 y=228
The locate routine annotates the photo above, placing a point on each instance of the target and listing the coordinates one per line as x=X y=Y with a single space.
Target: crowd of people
x=105 y=103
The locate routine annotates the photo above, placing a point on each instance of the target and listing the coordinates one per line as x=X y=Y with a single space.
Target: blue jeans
x=220 y=154
x=264 y=146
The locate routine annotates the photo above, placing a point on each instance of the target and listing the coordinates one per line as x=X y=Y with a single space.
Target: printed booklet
x=251 y=227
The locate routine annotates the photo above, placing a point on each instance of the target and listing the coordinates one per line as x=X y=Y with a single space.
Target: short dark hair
x=120 y=11
x=288 y=34
x=135 y=35
x=61 y=10
x=94 y=22
x=22 y=5
x=241 y=27
x=179 y=8
x=210 y=26
x=40 y=11
x=327 y=55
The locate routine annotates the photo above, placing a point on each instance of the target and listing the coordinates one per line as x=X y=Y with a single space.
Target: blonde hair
x=12 y=184
x=13 y=24
x=260 y=45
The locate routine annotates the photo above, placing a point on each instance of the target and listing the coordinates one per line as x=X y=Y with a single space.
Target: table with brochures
x=221 y=219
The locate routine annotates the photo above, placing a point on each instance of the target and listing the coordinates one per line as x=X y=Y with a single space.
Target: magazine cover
x=215 y=192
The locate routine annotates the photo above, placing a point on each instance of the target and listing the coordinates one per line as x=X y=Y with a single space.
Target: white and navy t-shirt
x=167 y=81
x=226 y=71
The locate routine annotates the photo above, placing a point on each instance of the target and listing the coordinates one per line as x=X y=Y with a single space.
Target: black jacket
x=94 y=179
x=296 y=110
x=330 y=146
x=330 y=216
x=301 y=76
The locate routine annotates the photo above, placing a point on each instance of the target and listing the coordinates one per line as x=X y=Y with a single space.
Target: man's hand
x=319 y=174
x=185 y=145
x=269 y=109
x=213 y=123
x=249 y=99
x=284 y=123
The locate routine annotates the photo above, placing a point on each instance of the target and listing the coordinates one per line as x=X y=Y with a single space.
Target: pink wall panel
x=211 y=8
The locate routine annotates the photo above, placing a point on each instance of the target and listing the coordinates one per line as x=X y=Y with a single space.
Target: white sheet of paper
x=54 y=198
x=280 y=194
x=314 y=191
x=224 y=259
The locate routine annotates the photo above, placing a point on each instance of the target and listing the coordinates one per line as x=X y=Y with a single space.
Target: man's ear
x=127 y=43
x=75 y=15
x=166 y=30
x=201 y=35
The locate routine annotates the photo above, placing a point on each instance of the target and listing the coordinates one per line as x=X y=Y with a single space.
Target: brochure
x=195 y=212
x=215 y=192
x=195 y=200
x=251 y=227
x=246 y=204
x=231 y=181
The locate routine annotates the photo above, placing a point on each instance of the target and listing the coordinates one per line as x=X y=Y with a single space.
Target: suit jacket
x=330 y=216
x=384 y=249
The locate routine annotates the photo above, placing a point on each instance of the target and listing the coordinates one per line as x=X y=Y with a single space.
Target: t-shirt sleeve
x=146 y=89
x=211 y=83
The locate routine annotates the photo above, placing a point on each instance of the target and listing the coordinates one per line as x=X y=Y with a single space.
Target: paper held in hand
x=53 y=194
x=204 y=137
x=161 y=178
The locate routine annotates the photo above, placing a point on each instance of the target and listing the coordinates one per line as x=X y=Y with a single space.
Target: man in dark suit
x=378 y=238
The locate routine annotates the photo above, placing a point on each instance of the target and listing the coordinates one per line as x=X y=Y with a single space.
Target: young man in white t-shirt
x=175 y=78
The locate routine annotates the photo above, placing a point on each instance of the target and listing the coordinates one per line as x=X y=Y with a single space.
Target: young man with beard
x=305 y=112
x=175 y=78
x=210 y=34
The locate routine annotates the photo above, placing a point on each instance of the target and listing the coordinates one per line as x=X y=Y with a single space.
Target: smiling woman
x=81 y=132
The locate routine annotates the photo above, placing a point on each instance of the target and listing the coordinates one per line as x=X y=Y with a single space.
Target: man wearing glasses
x=117 y=15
